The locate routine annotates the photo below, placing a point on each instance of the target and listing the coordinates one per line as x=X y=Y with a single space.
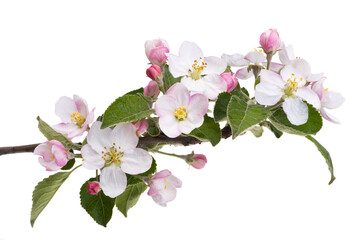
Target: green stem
x=169 y=154
x=269 y=57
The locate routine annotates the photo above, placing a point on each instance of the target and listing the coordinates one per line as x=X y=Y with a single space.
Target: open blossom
x=163 y=187
x=290 y=87
x=230 y=80
x=53 y=155
x=156 y=51
x=75 y=116
x=114 y=151
x=270 y=41
x=152 y=90
x=329 y=100
x=179 y=112
x=199 y=74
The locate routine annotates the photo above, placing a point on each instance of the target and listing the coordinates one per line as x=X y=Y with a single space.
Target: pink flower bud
x=141 y=126
x=197 y=161
x=153 y=72
x=270 y=41
x=152 y=90
x=53 y=155
x=93 y=188
x=156 y=51
x=230 y=80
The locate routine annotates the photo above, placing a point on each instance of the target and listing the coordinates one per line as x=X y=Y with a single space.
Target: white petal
x=180 y=93
x=268 y=94
x=296 y=111
x=212 y=86
x=215 y=65
x=168 y=194
x=177 y=66
x=318 y=87
x=112 y=181
x=174 y=181
x=286 y=54
x=267 y=76
x=70 y=130
x=136 y=161
x=191 y=122
x=235 y=60
x=189 y=52
x=309 y=96
x=316 y=77
x=255 y=57
x=170 y=126
x=81 y=105
x=124 y=136
x=192 y=85
x=165 y=105
x=99 y=138
x=298 y=67
x=64 y=107
x=91 y=159
x=243 y=73
x=275 y=67
x=332 y=100
x=328 y=116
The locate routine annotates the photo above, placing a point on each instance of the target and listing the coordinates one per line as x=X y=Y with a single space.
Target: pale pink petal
x=212 y=86
x=268 y=94
x=180 y=93
x=136 y=161
x=298 y=67
x=235 y=60
x=166 y=195
x=158 y=55
x=243 y=73
x=215 y=65
x=124 y=136
x=328 y=116
x=316 y=77
x=162 y=174
x=156 y=186
x=60 y=155
x=99 y=138
x=286 y=54
x=267 y=76
x=81 y=105
x=90 y=118
x=174 y=181
x=197 y=105
x=296 y=111
x=170 y=125
x=64 y=107
x=309 y=96
x=177 y=66
x=50 y=165
x=70 y=130
x=275 y=67
x=113 y=181
x=189 y=52
x=165 y=105
x=318 y=87
x=332 y=100
x=44 y=150
x=255 y=57
x=91 y=159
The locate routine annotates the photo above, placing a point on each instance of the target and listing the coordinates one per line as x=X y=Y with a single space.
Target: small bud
x=141 y=126
x=197 y=161
x=270 y=41
x=93 y=188
x=156 y=51
x=152 y=90
x=230 y=80
x=154 y=72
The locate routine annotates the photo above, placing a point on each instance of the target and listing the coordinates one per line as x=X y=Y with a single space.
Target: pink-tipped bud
x=141 y=126
x=230 y=80
x=154 y=72
x=152 y=90
x=93 y=188
x=197 y=161
x=270 y=41
x=156 y=51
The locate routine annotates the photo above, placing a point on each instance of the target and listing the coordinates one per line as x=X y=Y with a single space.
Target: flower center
x=197 y=67
x=77 y=118
x=181 y=113
x=113 y=155
x=292 y=85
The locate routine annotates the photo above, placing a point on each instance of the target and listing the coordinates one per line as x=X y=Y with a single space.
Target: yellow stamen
x=77 y=118
x=181 y=113
x=197 y=68
x=326 y=89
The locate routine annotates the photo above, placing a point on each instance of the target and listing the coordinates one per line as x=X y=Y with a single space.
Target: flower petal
x=198 y=105
x=113 y=181
x=215 y=65
x=180 y=93
x=189 y=52
x=332 y=100
x=298 y=67
x=243 y=73
x=309 y=96
x=91 y=159
x=170 y=126
x=212 y=86
x=177 y=66
x=318 y=87
x=316 y=77
x=296 y=111
x=268 y=94
x=136 y=161
x=328 y=116
x=165 y=105
x=64 y=107
x=70 y=130
x=267 y=76
x=235 y=60
x=99 y=138
x=255 y=57
x=286 y=54
x=81 y=105
x=60 y=155
x=124 y=136
x=174 y=181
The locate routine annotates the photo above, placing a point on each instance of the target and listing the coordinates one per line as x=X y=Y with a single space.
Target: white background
x=251 y=188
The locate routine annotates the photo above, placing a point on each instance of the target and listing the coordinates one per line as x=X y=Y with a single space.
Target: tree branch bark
x=143 y=142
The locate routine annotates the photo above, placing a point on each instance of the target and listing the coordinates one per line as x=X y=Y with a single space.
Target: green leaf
x=242 y=115
x=51 y=134
x=220 y=108
x=271 y=127
x=209 y=131
x=152 y=169
x=99 y=206
x=44 y=191
x=127 y=108
x=153 y=128
x=130 y=197
x=312 y=126
x=69 y=164
x=169 y=80
x=135 y=92
x=325 y=154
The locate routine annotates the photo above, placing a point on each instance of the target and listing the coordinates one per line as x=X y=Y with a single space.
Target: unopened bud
x=152 y=90
x=270 y=41
x=153 y=72
x=230 y=80
x=93 y=188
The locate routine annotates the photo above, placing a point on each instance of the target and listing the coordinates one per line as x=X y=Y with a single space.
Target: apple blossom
x=156 y=51
x=75 y=116
x=153 y=72
x=163 y=187
x=141 y=126
x=329 y=100
x=152 y=90
x=93 y=188
x=230 y=80
x=199 y=74
x=197 y=161
x=290 y=87
x=114 y=152
x=179 y=112
x=270 y=41
x=53 y=155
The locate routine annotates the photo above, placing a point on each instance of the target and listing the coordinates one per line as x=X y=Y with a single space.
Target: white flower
x=115 y=151
x=199 y=74
x=289 y=86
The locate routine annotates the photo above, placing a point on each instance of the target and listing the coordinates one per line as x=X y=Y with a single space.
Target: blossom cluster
x=177 y=98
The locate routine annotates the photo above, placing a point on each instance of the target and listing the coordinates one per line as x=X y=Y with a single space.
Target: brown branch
x=143 y=142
